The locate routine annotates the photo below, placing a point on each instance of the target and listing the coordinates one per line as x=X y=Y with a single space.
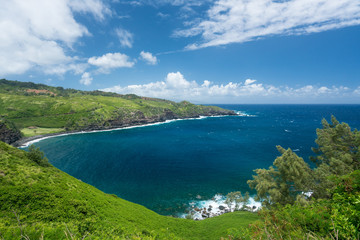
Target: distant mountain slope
x=39 y=200
x=33 y=105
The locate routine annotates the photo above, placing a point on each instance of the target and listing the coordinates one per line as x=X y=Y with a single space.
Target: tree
x=281 y=183
x=37 y=156
x=337 y=141
x=237 y=198
x=337 y=154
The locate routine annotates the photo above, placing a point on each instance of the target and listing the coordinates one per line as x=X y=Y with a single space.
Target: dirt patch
x=41 y=91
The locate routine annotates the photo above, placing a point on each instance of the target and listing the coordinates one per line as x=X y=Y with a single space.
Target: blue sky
x=209 y=51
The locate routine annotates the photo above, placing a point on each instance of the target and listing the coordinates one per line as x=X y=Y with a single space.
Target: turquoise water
x=166 y=166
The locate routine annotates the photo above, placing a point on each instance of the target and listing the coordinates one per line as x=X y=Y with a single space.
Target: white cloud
x=111 y=60
x=163 y=15
x=39 y=33
x=249 y=81
x=148 y=57
x=176 y=87
x=60 y=69
x=236 y=21
x=86 y=79
x=95 y=7
x=357 y=91
x=125 y=37
x=170 y=2
x=176 y=80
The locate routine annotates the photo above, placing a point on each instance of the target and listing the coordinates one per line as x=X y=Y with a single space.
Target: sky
x=209 y=51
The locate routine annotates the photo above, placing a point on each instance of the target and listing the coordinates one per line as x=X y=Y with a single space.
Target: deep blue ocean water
x=166 y=166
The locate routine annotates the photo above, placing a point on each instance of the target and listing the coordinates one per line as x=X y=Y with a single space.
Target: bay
x=164 y=167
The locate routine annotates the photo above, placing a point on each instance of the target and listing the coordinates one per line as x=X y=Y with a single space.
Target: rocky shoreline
x=120 y=125
x=202 y=209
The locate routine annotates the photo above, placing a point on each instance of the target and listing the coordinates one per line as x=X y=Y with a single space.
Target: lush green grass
x=36 y=200
x=29 y=132
x=78 y=111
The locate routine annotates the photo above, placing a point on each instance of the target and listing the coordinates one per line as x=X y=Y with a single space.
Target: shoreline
x=27 y=141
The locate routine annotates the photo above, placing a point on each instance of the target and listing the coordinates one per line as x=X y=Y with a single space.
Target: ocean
x=174 y=166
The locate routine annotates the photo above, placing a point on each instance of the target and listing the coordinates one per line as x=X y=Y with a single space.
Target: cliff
x=38 y=109
x=9 y=134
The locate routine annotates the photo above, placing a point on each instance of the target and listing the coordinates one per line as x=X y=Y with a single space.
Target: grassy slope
x=50 y=202
x=75 y=109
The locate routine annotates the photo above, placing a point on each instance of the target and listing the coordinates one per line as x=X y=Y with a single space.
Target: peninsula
x=29 y=111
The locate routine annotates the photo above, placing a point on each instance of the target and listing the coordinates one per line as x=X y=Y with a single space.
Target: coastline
x=27 y=141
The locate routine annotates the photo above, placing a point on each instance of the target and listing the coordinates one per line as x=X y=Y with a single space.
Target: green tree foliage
x=337 y=154
x=239 y=200
x=334 y=218
x=334 y=209
x=338 y=147
x=290 y=177
x=345 y=206
x=282 y=182
x=37 y=156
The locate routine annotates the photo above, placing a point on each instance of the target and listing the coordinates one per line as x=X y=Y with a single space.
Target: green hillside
x=41 y=201
x=54 y=109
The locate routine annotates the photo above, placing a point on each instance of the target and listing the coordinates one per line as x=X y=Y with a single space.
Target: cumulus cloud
x=357 y=91
x=176 y=87
x=148 y=58
x=125 y=37
x=111 y=60
x=38 y=33
x=177 y=81
x=86 y=79
x=236 y=21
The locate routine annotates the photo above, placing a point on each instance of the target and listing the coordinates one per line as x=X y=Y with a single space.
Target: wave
x=30 y=142
x=202 y=209
x=243 y=114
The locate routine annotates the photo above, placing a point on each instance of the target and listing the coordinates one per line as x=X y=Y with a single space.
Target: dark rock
x=221 y=207
x=8 y=134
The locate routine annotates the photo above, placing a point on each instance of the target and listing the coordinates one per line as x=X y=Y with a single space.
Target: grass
x=29 y=132
x=76 y=111
x=38 y=201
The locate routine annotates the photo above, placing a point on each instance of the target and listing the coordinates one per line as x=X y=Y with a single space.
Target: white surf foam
x=243 y=114
x=26 y=144
x=201 y=209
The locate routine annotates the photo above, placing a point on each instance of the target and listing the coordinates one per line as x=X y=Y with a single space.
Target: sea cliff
x=38 y=110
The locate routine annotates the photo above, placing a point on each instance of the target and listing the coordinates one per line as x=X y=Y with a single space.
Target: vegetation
x=38 y=201
x=57 y=109
x=319 y=203
x=34 y=131
x=239 y=200
x=8 y=131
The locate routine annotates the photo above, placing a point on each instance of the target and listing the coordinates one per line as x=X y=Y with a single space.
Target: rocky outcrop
x=139 y=118
x=8 y=134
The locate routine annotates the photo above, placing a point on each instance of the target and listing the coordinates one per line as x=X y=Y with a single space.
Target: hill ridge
x=55 y=109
